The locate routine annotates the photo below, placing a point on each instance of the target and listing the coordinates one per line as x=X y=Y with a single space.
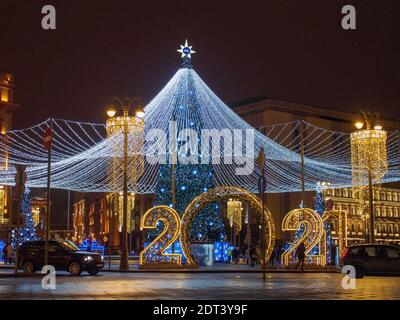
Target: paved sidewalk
x=217 y=268
x=182 y=286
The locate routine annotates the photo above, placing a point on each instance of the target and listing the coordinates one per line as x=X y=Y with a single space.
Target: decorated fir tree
x=191 y=181
x=28 y=231
x=319 y=200
x=194 y=178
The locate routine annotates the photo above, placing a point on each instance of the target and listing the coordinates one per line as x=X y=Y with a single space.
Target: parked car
x=373 y=259
x=63 y=255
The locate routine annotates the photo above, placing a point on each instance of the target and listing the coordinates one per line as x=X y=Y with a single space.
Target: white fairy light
x=82 y=153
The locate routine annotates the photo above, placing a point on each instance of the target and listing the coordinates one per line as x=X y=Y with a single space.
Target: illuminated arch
x=220 y=194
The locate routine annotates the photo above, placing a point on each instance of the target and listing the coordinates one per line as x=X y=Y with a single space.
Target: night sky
x=284 y=49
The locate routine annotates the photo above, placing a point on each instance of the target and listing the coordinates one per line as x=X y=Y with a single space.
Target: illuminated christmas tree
x=319 y=200
x=191 y=179
x=28 y=231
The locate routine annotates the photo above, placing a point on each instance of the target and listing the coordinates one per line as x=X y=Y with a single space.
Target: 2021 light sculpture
x=154 y=254
x=224 y=194
x=313 y=234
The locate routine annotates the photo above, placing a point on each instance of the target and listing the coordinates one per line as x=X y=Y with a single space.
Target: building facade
x=386 y=210
x=99 y=215
x=7 y=107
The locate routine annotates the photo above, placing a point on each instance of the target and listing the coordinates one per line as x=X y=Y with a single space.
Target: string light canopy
x=82 y=151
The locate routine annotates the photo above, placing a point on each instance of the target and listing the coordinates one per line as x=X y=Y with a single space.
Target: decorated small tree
x=28 y=231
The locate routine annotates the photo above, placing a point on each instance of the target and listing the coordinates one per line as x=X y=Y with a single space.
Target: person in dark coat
x=252 y=257
x=301 y=255
x=272 y=258
x=235 y=255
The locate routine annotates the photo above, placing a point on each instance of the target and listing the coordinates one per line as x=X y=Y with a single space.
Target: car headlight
x=88 y=259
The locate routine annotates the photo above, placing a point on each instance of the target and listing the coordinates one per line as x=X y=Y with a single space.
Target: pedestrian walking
x=235 y=255
x=9 y=253
x=278 y=255
x=89 y=243
x=247 y=255
x=258 y=255
x=3 y=254
x=252 y=257
x=301 y=255
x=272 y=258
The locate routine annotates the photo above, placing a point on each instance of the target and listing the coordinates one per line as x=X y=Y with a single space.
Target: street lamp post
x=369 y=162
x=125 y=122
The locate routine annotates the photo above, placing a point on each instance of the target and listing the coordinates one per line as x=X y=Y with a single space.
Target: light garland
x=234 y=214
x=82 y=152
x=368 y=156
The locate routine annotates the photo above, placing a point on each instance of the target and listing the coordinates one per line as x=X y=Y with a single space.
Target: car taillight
x=345 y=252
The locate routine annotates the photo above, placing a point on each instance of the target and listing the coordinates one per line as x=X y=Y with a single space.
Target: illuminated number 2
x=313 y=234
x=154 y=252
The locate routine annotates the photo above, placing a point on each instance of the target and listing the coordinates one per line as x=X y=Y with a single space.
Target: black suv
x=369 y=259
x=63 y=255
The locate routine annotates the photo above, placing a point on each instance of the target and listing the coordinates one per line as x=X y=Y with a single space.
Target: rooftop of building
x=259 y=104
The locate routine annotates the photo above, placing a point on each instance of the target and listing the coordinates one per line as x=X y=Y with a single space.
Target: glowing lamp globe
x=111 y=112
x=139 y=112
x=359 y=125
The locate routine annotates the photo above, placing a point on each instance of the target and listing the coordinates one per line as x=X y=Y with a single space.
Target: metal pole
x=68 y=211
x=46 y=249
x=110 y=205
x=173 y=181
x=303 y=193
x=262 y=240
x=248 y=232
x=173 y=184
x=371 y=206
x=173 y=194
x=130 y=233
x=330 y=246
x=370 y=186
x=124 y=263
x=16 y=260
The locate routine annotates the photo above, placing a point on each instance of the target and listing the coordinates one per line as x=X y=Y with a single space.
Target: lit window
x=4 y=95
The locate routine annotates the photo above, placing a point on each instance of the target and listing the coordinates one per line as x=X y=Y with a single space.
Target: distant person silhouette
x=301 y=255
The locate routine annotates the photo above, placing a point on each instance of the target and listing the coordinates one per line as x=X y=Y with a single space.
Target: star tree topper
x=186 y=50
